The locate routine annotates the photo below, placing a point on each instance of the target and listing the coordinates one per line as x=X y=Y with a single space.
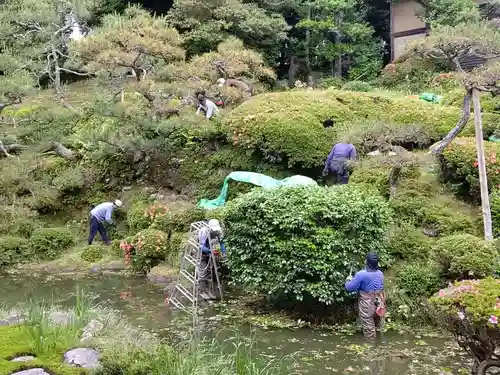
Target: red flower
x=476 y=164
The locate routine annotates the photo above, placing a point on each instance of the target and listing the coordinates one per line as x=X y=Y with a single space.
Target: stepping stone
x=82 y=357
x=32 y=371
x=25 y=358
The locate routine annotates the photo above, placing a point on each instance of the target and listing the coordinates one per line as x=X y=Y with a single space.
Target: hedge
x=459 y=166
x=287 y=126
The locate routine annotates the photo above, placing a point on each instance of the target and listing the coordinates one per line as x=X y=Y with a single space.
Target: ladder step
x=185 y=292
x=190 y=259
x=176 y=303
x=188 y=276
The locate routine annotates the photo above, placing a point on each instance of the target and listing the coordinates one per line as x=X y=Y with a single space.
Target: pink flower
x=441 y=293
x=493 y=319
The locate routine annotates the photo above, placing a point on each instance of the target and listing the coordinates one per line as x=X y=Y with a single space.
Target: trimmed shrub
x=12 y=250
x=93 y=253
x=178 y=217
x=137 y=217
x=418 y=280
x=463 y=256
x=24 y=227
x=459 y=166
x=287 y=127
x=148 y=249
x=49 y=243
x=495 y=212
x=303 y=241
x=357 y=86
x=408 y=243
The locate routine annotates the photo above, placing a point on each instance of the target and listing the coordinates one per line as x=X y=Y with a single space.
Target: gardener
x=100 y=214
x=207 y=106
x=369 y=283
x=336 y=163
x=205 y=268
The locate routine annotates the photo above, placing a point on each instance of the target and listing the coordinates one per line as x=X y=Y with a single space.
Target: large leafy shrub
x=495 y=212
x=303 y=241
x=93 y=253
x=146 y=249
x=13 y=250
x=418 y=279
x=459 y=166
x=288 y=126
x=49 y=243
x=462 y=256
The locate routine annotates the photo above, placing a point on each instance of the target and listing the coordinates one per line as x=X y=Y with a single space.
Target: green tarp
x=256 y=179
x=430 y=97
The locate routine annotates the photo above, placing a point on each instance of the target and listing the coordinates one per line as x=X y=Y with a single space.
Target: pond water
x=314 y=351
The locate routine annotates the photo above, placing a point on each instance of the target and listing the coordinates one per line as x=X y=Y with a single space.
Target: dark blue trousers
x=97 y=226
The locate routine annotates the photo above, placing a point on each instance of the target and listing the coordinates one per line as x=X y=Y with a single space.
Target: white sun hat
x=118 y=203
x=214 y=225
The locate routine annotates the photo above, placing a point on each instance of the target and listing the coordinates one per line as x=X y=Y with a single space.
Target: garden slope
x=288 y=126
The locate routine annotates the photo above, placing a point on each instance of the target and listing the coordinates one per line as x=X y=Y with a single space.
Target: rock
x=32 y=371
x=115 y=266
x=4 y=322
x=91 y=329
x=127 y=188
x=374 y=153
x=157 y=197
x=25 y=358
x=15 y=319
x=95 y=269
x=82 y=357
x=61 y=318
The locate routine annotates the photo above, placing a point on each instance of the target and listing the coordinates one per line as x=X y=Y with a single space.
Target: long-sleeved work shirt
x=341 y=151
x=366 y=281
x=209 y=107
x=103 y=211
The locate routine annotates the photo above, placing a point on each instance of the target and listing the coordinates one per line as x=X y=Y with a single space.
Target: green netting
x=430 y=97
x=256 y=179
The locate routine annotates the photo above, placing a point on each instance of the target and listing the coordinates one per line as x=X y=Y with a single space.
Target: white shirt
x=210 y=108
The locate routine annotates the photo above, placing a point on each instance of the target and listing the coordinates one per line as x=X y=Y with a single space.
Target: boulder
x=4 y=322
x=82 y=357
x=32 y=371
x=25 y=358
x=60 y=318
x=91 y=329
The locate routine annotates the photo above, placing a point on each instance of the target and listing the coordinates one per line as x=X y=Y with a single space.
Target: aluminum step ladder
x=184 y=295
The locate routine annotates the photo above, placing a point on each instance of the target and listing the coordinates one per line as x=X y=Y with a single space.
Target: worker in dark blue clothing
x=337 y=162
x=369 y=284
x=214 y=232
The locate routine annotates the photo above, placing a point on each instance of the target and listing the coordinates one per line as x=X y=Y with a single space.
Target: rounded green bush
x=463 y=256
x=137 y=217
x=495 y=212
x=287 y=127
x=360 y=86
x=459 y=166
x=93 y=253
x=178 y=217
x=49 y=243
x=303 y=241
x=418 y=279
x=150 y=248
x=408 y=243
x=13 y=250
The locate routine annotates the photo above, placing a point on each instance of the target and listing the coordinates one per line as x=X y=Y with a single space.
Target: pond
x=314 y=351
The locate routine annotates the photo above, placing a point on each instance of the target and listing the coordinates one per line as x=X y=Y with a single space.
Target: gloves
x=349 y=278
x=325 y=172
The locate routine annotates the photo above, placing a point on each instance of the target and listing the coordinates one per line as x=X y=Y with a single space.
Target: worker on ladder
x=207 y=236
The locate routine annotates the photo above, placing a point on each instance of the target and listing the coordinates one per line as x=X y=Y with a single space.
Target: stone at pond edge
x=60 y=318
x=82 y=357
x=4 y=322
x=33 y=371
x=15 y=319
x=25 y=358
x=91 y=329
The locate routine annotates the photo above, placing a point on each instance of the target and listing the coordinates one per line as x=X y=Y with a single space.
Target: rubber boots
x=203 y=289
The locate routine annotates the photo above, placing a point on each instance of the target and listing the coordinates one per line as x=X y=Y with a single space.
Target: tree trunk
x=59 y=150
x=337 y=64
x=307 y=47
x=483 y=178
x=393 y=180
x=57 y=71
x=458 y=127
x=292 y=70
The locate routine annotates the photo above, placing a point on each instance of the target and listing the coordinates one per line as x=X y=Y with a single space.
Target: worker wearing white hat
x=205 y=268
x=100 y=214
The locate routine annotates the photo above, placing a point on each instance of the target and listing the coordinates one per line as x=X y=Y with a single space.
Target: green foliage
x=150 y=247
x=408 y=243
x=359 y=86
x=49 y=243
x=178 y=217
x=12 y=250
x=450 y=12
x=93 y=253
x=462 y=256
x=287 y=126
x=418 y=280
x=137 y=217
x=495 y=212
x=459 y=167
x=302 y=242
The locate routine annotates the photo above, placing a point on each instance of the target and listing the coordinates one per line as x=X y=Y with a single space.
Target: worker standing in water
x=337 y=162
x=206 y=106
x=213 y=234
x=100 y=214
x=369 y=283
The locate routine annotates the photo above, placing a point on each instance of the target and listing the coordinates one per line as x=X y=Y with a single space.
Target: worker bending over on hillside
x=207 y=106
x=369 y=283
x=337 y=162
x=206 y=237
x=100 y=214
